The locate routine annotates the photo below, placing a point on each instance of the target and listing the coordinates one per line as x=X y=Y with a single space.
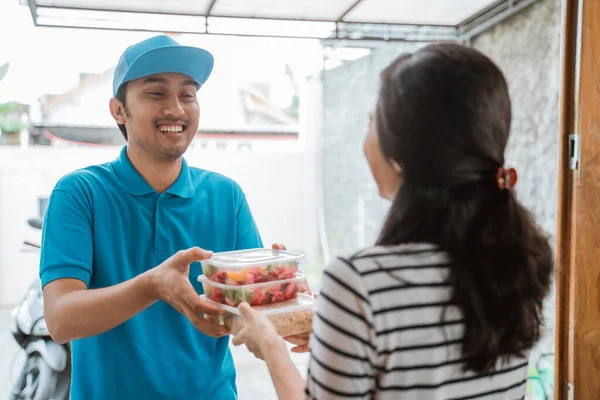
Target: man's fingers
x=277 y=246
x=213 y=319
x=211 y=330
x=192 y=255
x=203 y=307
x=178 y=308
x=199 y=306
x=204 y=325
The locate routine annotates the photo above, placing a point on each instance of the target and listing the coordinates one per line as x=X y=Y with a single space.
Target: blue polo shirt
x=104 y=225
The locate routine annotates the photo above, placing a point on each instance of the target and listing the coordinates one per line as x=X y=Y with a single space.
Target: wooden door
x=578 y=235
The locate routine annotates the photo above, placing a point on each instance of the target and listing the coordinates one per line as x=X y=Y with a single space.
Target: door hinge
x=573 y=151
x=570 y=391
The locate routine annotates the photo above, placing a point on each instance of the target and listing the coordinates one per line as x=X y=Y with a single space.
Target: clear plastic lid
x=251 y=258
x=301 y=303
x=202 y=278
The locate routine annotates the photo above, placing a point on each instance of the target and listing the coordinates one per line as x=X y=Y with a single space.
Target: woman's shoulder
x=407 y=252
x=401 y=249
x=369 y=269
x=417 y=262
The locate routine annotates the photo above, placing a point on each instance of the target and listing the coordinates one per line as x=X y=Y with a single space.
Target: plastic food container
x=291 y=317
x=255 y=294
x=246 y=267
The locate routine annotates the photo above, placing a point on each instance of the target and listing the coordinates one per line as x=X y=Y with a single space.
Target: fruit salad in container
x=247 y=267
x=291 y=317
x=254 y=294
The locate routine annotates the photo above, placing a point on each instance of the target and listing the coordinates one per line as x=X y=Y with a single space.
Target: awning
x=332 y=19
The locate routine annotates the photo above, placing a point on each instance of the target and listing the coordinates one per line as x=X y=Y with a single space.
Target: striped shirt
x=384 y=329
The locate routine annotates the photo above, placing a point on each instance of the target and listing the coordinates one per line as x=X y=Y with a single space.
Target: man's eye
x=156 y=93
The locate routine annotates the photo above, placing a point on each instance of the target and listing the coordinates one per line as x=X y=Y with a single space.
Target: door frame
x=577 y=339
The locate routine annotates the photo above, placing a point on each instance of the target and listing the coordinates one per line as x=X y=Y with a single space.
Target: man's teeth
x=173 y=128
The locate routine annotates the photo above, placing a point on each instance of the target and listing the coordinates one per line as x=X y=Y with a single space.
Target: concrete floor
x=253 y=380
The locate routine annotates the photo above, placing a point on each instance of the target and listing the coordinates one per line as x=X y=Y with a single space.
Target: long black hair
x=444 y=114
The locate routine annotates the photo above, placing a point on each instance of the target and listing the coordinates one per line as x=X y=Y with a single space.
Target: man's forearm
x=287 y=380
x=84 y=313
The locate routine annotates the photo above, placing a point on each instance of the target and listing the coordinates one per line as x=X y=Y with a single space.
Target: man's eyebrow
x=191 y=82
x=157 y=79
x=153 y=79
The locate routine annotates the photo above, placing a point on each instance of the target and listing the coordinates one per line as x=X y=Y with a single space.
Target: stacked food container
x=268 y=280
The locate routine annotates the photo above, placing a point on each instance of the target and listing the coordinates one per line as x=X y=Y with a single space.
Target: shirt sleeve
x=67 y=239
x=342 y=345
x=247 y=234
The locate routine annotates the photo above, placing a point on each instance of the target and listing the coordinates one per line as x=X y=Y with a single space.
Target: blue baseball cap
x=161 y=54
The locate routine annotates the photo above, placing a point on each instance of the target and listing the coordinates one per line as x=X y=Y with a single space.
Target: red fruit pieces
x=292 y=270
x=256 y=297
x=220 y=277
x=217 y=295
x=250 y=279
x=291 y=291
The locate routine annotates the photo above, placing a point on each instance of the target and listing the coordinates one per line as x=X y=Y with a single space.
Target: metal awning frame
x=343 y=31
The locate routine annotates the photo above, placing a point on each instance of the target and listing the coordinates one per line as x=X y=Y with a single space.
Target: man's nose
x=173 y=107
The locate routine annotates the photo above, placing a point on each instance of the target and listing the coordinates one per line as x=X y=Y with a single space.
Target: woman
x=448 y=303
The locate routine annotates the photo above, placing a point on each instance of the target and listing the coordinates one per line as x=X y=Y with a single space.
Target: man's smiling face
x=162 y=115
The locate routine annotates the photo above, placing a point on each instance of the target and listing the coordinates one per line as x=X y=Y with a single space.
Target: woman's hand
x=258 y=333
x=261 y=338
x=300 y=341
x=259 y=329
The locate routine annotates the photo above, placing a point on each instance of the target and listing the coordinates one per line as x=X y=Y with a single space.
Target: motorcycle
x=46 y=373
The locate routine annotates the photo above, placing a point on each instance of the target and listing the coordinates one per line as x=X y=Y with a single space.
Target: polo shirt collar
x=183 y=185
x=136 y=185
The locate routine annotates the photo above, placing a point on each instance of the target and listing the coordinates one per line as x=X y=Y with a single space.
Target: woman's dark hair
x=444 y=116
x=121 y=97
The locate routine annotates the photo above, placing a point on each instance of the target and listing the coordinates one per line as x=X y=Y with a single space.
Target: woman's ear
x=397 y=168
x=117 y=110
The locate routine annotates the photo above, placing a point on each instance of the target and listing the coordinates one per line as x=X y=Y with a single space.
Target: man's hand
x=171 y=284
x=74 y=312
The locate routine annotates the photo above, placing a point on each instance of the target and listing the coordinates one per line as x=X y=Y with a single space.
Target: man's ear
x=117 y=110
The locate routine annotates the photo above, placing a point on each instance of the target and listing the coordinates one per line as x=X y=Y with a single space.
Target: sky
x=49 y=60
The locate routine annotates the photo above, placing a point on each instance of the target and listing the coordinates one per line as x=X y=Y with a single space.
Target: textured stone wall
x=527 y=49
x=353 y=210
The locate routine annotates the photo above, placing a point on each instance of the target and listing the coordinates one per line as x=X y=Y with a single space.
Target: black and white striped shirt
x=380 y=333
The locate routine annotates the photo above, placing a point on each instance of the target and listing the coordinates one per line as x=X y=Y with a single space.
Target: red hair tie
x=507 y=178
